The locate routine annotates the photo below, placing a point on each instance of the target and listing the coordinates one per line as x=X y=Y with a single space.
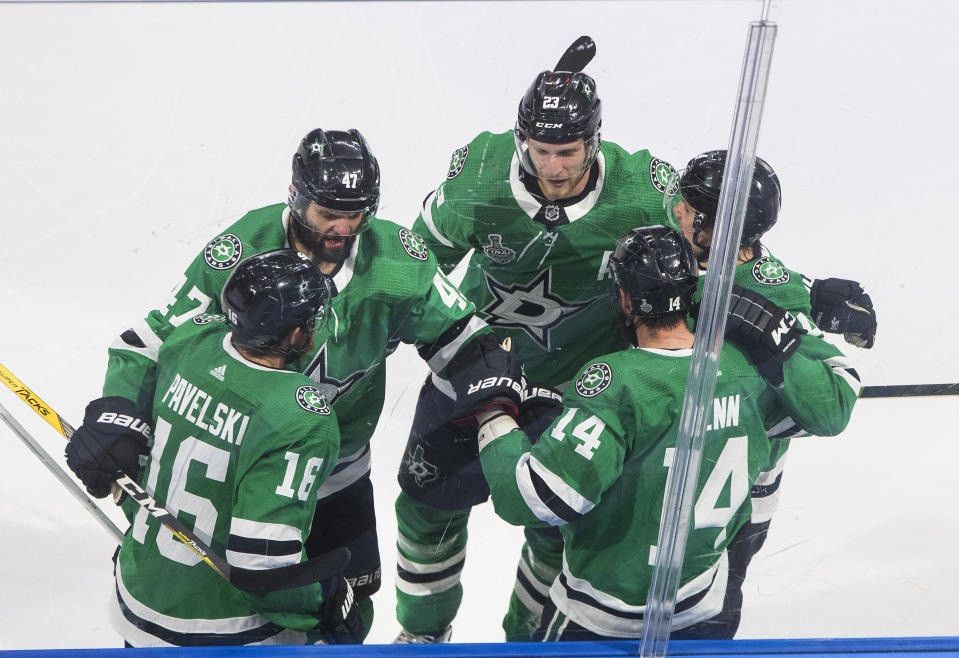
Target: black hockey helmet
x=270 y=294
x=655 y=267
x=699 y=185
x=558 y=108
x=337 y=170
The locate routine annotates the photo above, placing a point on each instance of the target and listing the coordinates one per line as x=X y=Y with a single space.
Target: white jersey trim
x=233 y=352
x=427 y=216
x=442 y=358
x=713 y=580
x=180 y=625
x=764 y=507
x=263 y=531
x=531 y=205
x=558 y=486
x=664 y=352
x=150 y=340
x=343 y=478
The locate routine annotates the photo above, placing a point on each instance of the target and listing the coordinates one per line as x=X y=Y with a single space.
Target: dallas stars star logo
x=331 y=387
x=534 y=308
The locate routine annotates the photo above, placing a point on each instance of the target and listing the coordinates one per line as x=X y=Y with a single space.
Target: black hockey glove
x=540 y=406
x=766 y=331
x=840 y=306
x=492 y=378
x=111 y=441
x=341 y=621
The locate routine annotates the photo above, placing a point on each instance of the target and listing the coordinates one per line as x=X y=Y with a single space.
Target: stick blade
x=577 y=56
x=294 y=575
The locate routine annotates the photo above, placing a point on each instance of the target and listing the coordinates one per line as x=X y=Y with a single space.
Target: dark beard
x=318 y=249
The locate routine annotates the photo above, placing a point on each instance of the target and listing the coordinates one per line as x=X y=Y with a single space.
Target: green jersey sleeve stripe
x=427 y=216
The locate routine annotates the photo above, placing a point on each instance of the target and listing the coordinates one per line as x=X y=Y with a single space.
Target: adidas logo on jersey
x=219 y=372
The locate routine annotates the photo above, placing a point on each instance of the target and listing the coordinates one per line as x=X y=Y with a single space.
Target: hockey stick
x=65 y=478
x=577 y=56
x=250 y=580
x=909 y=390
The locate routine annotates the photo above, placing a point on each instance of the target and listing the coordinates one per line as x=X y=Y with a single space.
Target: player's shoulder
x=603 y=376
x=256 y=231
x=396 y=259
x=203 y=332
x=487 y=156
x=768 y=276
x=640 y=169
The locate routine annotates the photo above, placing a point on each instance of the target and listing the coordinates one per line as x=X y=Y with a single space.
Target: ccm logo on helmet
x=135 y=424
x=543 y=124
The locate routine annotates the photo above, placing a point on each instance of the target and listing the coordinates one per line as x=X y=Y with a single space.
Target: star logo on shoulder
x=533 y=307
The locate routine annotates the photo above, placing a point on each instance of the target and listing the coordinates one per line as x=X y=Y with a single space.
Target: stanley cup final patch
x=223 y=252
x=414 y=244
x=497 y=251
x=769 y=272
x=310 y=398
x=594 y=380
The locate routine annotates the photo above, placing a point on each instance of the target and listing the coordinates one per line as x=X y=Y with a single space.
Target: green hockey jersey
x=600 y=472
x=239 y=453
x=389 y=290
x=538 y=270
x=821 y=386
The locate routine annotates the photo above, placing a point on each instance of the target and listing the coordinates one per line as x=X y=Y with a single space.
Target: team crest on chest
x=661 y=174
x=457 y=161
x=311 y=399
x=533 y=307
x=594 y=380
x=328 y=386
x=414 y=244
x=497 y=252
x=223 y=252
x=769 y=272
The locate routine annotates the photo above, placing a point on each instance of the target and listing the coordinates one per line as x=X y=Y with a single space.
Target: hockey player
x=694 y=204
x=241 y=443
x=599 y=472
x=389 y=291
x=542 y=207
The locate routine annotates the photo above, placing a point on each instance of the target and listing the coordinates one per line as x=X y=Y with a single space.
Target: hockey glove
x=111 y=441
x=493 y=378
x=840 y=306
x=540 y=406
x=341 y=621
x=766 y=331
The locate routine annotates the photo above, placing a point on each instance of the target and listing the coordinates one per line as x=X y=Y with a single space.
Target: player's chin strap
x=493 y=424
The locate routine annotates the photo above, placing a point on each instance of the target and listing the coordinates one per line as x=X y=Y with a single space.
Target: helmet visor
x=556 y=162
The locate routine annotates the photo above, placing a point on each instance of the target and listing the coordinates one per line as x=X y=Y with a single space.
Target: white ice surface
x=130 y=134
